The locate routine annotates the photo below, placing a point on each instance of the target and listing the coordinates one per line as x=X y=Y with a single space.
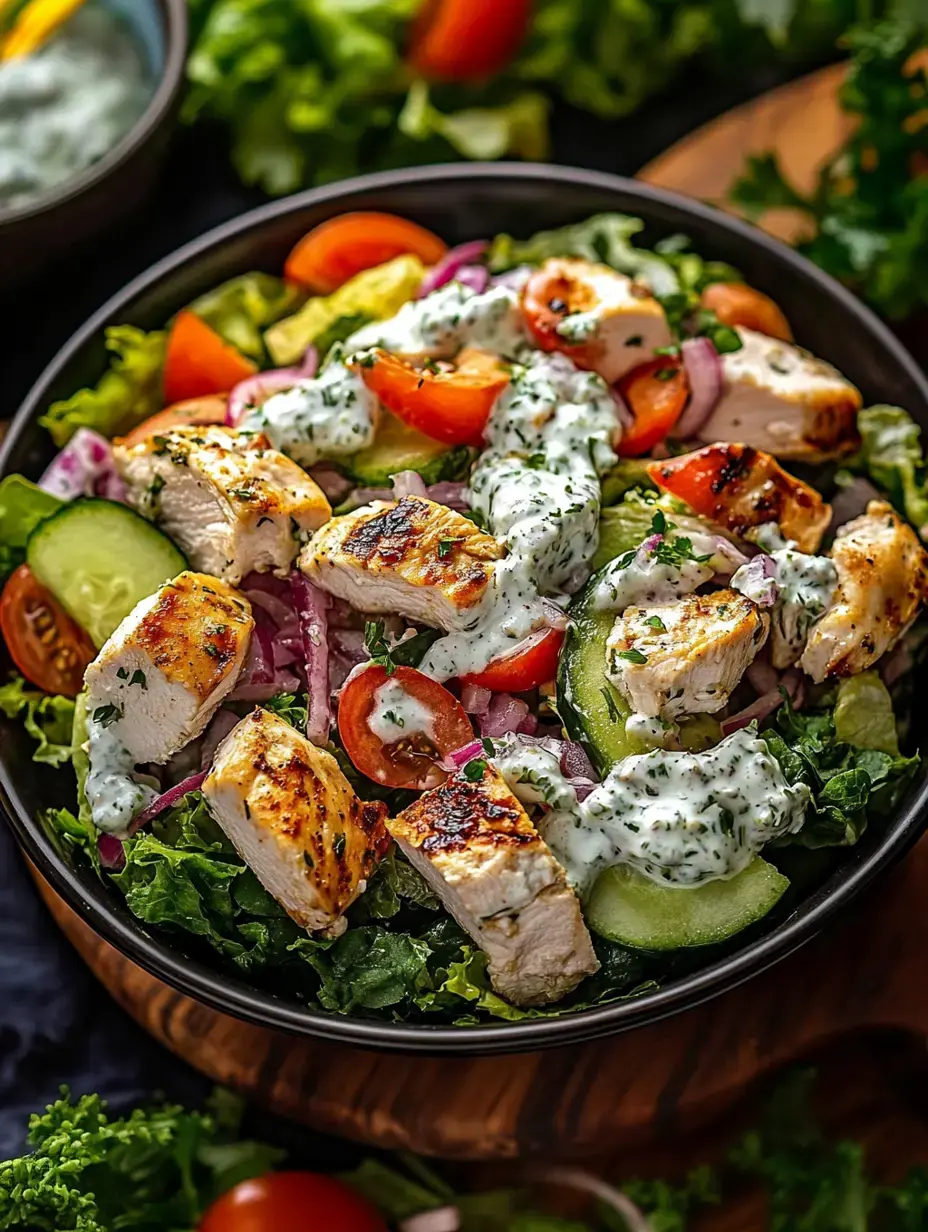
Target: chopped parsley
x=213 y=651
x=488 y=746
x=138 y=677
x=633 y=656
x=244 y=494
x=655 y=622
x=107 y=715
x=377 y=647
x=475 y=770
x=445 y=547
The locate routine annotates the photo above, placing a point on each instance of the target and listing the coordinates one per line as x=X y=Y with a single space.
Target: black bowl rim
x=209 y=985
x=174 y=13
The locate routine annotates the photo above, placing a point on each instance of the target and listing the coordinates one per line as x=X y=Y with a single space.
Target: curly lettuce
x=48 y=719
x=892 y=455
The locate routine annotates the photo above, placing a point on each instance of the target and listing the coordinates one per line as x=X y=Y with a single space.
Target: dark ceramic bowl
x=85 y=205
x=460 y=203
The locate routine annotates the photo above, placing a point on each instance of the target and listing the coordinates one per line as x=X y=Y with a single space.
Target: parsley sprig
x=408 y=653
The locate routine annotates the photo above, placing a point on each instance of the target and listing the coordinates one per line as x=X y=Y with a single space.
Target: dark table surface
x=56 y=1023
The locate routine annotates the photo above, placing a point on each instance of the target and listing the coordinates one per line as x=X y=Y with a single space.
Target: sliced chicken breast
x=780 y=398
x=882 y=583
x=295 y=820
x=742 y=488
x=161 y=675
x=232 y=503
x=414 y=557
x=476 y=846
x=684 y=657
x=604 y=320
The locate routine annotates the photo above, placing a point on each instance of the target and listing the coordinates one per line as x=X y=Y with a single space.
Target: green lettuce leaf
x=127 y=393
x=290 y=707
x=892 y=456
x=518 y=128
x=864 y=714
x=47 y=717
x=238 y=310
x=23 y=506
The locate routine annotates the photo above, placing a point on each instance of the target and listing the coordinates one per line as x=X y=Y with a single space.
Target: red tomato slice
x=463 y=40
x=47 y=646
x=531 y=663
x=451 y=405
x=292 y=1202
x=408 y=762
x=210 y=409
x=336 y=250
x=735 y=303
x=198 y=361
x=655 y=394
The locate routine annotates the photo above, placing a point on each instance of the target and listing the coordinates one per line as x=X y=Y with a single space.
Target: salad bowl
x=460 y=204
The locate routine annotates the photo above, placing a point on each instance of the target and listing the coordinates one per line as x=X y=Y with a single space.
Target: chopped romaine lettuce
x=518 y=128
x=892 y=455
x=23 y=506
x=241 y=308
x=47 y=718
x=864 y=714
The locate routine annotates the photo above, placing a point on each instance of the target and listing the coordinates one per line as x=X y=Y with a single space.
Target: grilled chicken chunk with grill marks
x=684 y=657
x=415 y=557
x=295 y=820
x=780 y=398
x=742 y=488
x=882 y=583
x=163 y=672
x=476 y=846
x=225 y=497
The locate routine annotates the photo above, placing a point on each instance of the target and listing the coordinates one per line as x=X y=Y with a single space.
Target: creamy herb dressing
x=329 y=416
x=113 y=791
x=640 y=579
x=806 y=585
x=66 y=105
x=397 y=715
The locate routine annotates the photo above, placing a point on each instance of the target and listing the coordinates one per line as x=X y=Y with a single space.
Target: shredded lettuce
x=127 y=393
x=892 y=456
x=23 y=506
x=238 y=310
x=518 y=128
x=47 y=718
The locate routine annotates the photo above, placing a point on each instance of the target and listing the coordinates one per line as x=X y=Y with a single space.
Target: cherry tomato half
x=210 y=409
x=336 y=250
x=735 y=303
x=292 y=1202
x=531 y=663
x=410 y=761
x=47 y=646
x=465 y=40
x=451 y=404
x=199 y=361
x=655 y=394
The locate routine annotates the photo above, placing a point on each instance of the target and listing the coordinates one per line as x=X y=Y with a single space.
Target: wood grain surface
x=865 y=972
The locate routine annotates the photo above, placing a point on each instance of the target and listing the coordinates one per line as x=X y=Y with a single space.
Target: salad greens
x=47 y=718
x=158 y=1169
x=892 y=456
x=869 y=210
x=23 y=506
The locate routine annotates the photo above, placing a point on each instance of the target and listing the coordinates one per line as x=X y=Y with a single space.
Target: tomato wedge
x=735 y=303
x=294 y=1201
x=531 y=663
x=466 y=40
x=47 y=646
x=210 y=409
x=336 y=250
x=450 y=404
x=740 y=487
x=198 y=361
x=655 y=394
x=409 y=760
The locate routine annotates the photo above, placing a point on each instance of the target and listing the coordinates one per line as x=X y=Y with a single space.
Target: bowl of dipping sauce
x=85 y=115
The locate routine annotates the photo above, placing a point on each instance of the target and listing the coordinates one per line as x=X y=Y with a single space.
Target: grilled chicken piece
x=684 y=657
x=475 y=845
x=603 y=320
x=295 y=820
x=414 y=557
x=882 y=583
x=741 y=488
x=225 y=497
x=780 y=398
x=163 y=672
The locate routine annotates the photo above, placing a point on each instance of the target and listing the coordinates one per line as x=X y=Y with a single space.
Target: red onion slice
x=312 y=606
x=220 y=725
x=85 y=467
x=763 y=676
x=475 y=699
x=249 y=394
x=451 y=264
x=408 y=483
x=704 y=376
x=574 y=761
x=112 y=853
x=460 y=757
x=439 y=1219
x=758 y=710
x=335 y=487
x=309 y=364
x=167 y=799
x=505 y=714
x=449 y=492
x=277 y=608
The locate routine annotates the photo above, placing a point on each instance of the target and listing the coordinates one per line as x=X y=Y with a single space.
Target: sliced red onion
x=85 y=467
x=505 y=714
x=168 y=799
x=279 y=610
x=451 y=264
x=439 y=1219
x=112 y=853
x=335 y=487
x=475 y=699
x=477 y=277
x=794 y=682
x=408 y=483
x=528 y=726
x=285 y=654
x=460 y=757
x=650 y=544
x=727 y=550
x=515 y=279
x=259 y=662
x=454 y=495
x=249 y=394
x=270 y=583
x=309 y=364
x=763 y=676
x=312 y=607
x=282 y=682
x=451 y=493
x=758 y=710
x=350 y=644
x=220 y=725
x=574 y=761
x=757 y=580
x=704 y=376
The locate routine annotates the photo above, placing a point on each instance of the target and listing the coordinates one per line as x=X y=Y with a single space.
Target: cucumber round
x=98 y=559
x=397 y=447
x=628 y=907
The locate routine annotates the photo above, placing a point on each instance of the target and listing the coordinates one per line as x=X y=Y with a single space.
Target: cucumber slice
x=628 y=907
x=397 y=447
x=99 y=559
